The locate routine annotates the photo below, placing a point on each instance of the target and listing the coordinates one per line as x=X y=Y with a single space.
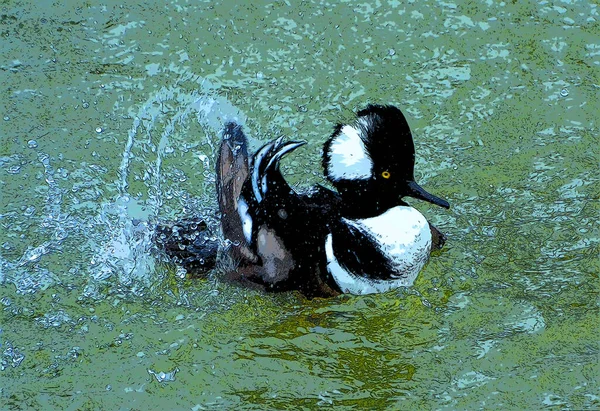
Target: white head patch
x=348 y=158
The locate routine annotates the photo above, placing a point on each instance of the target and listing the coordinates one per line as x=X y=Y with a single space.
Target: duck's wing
x=289 y=227
x=188 y=241
x=243 y=185
x=232 y=174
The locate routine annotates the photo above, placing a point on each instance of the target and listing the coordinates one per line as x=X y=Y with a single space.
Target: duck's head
x=373 y=159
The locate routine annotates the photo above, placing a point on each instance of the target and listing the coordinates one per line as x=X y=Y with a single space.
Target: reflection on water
x=109 y=122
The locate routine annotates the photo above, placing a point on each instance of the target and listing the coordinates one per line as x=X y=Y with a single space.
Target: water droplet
x=6 y=118
x=14 y=170
x=181 y=272
x=85 y=105
x=391 y=52
x=99 y=130
x=32 y=144
x=164 y=376
x=29 y=211
x=61 y=234
x=564 y=92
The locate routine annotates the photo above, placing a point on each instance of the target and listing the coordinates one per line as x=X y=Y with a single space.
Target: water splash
x=25 y=273
x=127 y=253
x=114 y=237
x=11 y=357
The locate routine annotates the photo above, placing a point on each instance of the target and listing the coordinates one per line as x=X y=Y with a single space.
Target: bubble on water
x=99 y=129
x=564 y=92
x=54 y=320
x=11 y=356
x=85 y=104
x=181 y=272
x=29 y=211
x=32 y=144
x=63 y=172
x=61 y=234
x=34 y=254
x=162 y=376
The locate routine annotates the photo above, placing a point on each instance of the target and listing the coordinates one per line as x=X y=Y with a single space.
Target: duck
x=379 y=242
x=357 y=237
x=276 y=234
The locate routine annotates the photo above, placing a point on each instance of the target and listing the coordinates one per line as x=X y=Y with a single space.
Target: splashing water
x=117 y=238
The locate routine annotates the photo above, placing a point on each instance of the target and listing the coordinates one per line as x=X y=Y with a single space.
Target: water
x=110 y=120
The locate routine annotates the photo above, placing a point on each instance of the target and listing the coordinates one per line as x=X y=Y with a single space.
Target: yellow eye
x=386 y=174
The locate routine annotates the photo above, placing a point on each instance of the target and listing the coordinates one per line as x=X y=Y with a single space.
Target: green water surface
x=109 y=121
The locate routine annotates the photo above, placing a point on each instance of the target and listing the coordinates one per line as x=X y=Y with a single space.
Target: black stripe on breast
x=359 y=253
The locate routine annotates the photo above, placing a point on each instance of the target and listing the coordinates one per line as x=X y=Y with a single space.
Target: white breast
x=404 y=236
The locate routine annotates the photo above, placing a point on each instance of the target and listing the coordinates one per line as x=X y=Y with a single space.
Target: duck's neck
x=358 y=204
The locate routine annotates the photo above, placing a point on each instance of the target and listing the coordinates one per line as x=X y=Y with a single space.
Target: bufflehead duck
x=359 y=239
